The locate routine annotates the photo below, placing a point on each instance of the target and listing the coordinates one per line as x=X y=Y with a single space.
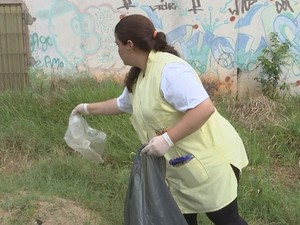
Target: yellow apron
x=206 y=183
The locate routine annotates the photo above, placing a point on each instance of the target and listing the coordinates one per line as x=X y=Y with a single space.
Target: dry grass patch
x=51 y=211
x=285 y=174
x=64 y=212
x=14 y=163
x=255 y=113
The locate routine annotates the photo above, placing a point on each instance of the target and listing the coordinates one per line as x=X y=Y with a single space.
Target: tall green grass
x=36 y=161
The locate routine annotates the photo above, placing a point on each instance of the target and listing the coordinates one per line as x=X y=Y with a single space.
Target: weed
x=272 y=60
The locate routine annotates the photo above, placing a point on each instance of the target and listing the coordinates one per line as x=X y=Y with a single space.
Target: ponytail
x=161 y=44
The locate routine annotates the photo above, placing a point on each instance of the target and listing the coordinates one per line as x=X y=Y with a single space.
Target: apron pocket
x=191 y=174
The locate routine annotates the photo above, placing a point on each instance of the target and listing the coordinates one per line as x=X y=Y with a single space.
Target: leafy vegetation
x=37 y=167
x=272 y=60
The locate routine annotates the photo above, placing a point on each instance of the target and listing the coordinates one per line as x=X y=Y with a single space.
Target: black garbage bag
x=148 y=199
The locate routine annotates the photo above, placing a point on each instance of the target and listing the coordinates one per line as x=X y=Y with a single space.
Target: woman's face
x=123 y=51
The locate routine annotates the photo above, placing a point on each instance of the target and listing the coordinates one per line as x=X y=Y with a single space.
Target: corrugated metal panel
x=13 y=63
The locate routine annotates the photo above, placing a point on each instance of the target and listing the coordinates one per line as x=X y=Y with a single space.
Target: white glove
x=81 y=109
x=158 y=145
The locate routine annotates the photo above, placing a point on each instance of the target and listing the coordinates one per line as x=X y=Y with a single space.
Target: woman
x=172 y=112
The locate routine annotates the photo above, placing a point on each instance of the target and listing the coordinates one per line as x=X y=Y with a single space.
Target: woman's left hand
x=157 y=146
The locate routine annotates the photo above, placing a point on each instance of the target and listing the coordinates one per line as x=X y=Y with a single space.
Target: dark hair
x=139 y=29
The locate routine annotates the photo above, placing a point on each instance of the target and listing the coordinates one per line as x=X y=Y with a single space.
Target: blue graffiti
x=65 y=20
x=247 y=18
x=288 y=29
x=153 y=16
x=239 y=54
x=48 y=62
x=229 y=54
x=40 y=42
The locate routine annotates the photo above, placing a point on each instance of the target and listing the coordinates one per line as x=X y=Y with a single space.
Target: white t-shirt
x=179 y=86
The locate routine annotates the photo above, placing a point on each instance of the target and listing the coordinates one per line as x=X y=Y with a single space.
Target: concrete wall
x=221 y=39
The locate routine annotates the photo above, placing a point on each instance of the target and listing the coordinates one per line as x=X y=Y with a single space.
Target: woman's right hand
x=81 y=109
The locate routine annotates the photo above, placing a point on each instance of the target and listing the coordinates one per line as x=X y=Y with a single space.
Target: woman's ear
x=130 y=45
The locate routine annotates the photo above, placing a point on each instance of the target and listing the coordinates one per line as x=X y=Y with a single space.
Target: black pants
x=226 y=216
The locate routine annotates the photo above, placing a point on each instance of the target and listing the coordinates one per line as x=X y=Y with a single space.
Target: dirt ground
x=54 y=211
x=44 y=211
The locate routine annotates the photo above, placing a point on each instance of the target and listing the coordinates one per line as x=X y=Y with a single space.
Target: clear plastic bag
x=84 y=139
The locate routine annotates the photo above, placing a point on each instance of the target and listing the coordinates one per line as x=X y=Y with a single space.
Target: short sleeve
x=181 y=88
x=124 y=102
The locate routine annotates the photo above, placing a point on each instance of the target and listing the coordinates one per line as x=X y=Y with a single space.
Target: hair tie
x=154 y=34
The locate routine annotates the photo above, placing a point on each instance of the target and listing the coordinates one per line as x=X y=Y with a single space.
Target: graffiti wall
x=220 y=39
